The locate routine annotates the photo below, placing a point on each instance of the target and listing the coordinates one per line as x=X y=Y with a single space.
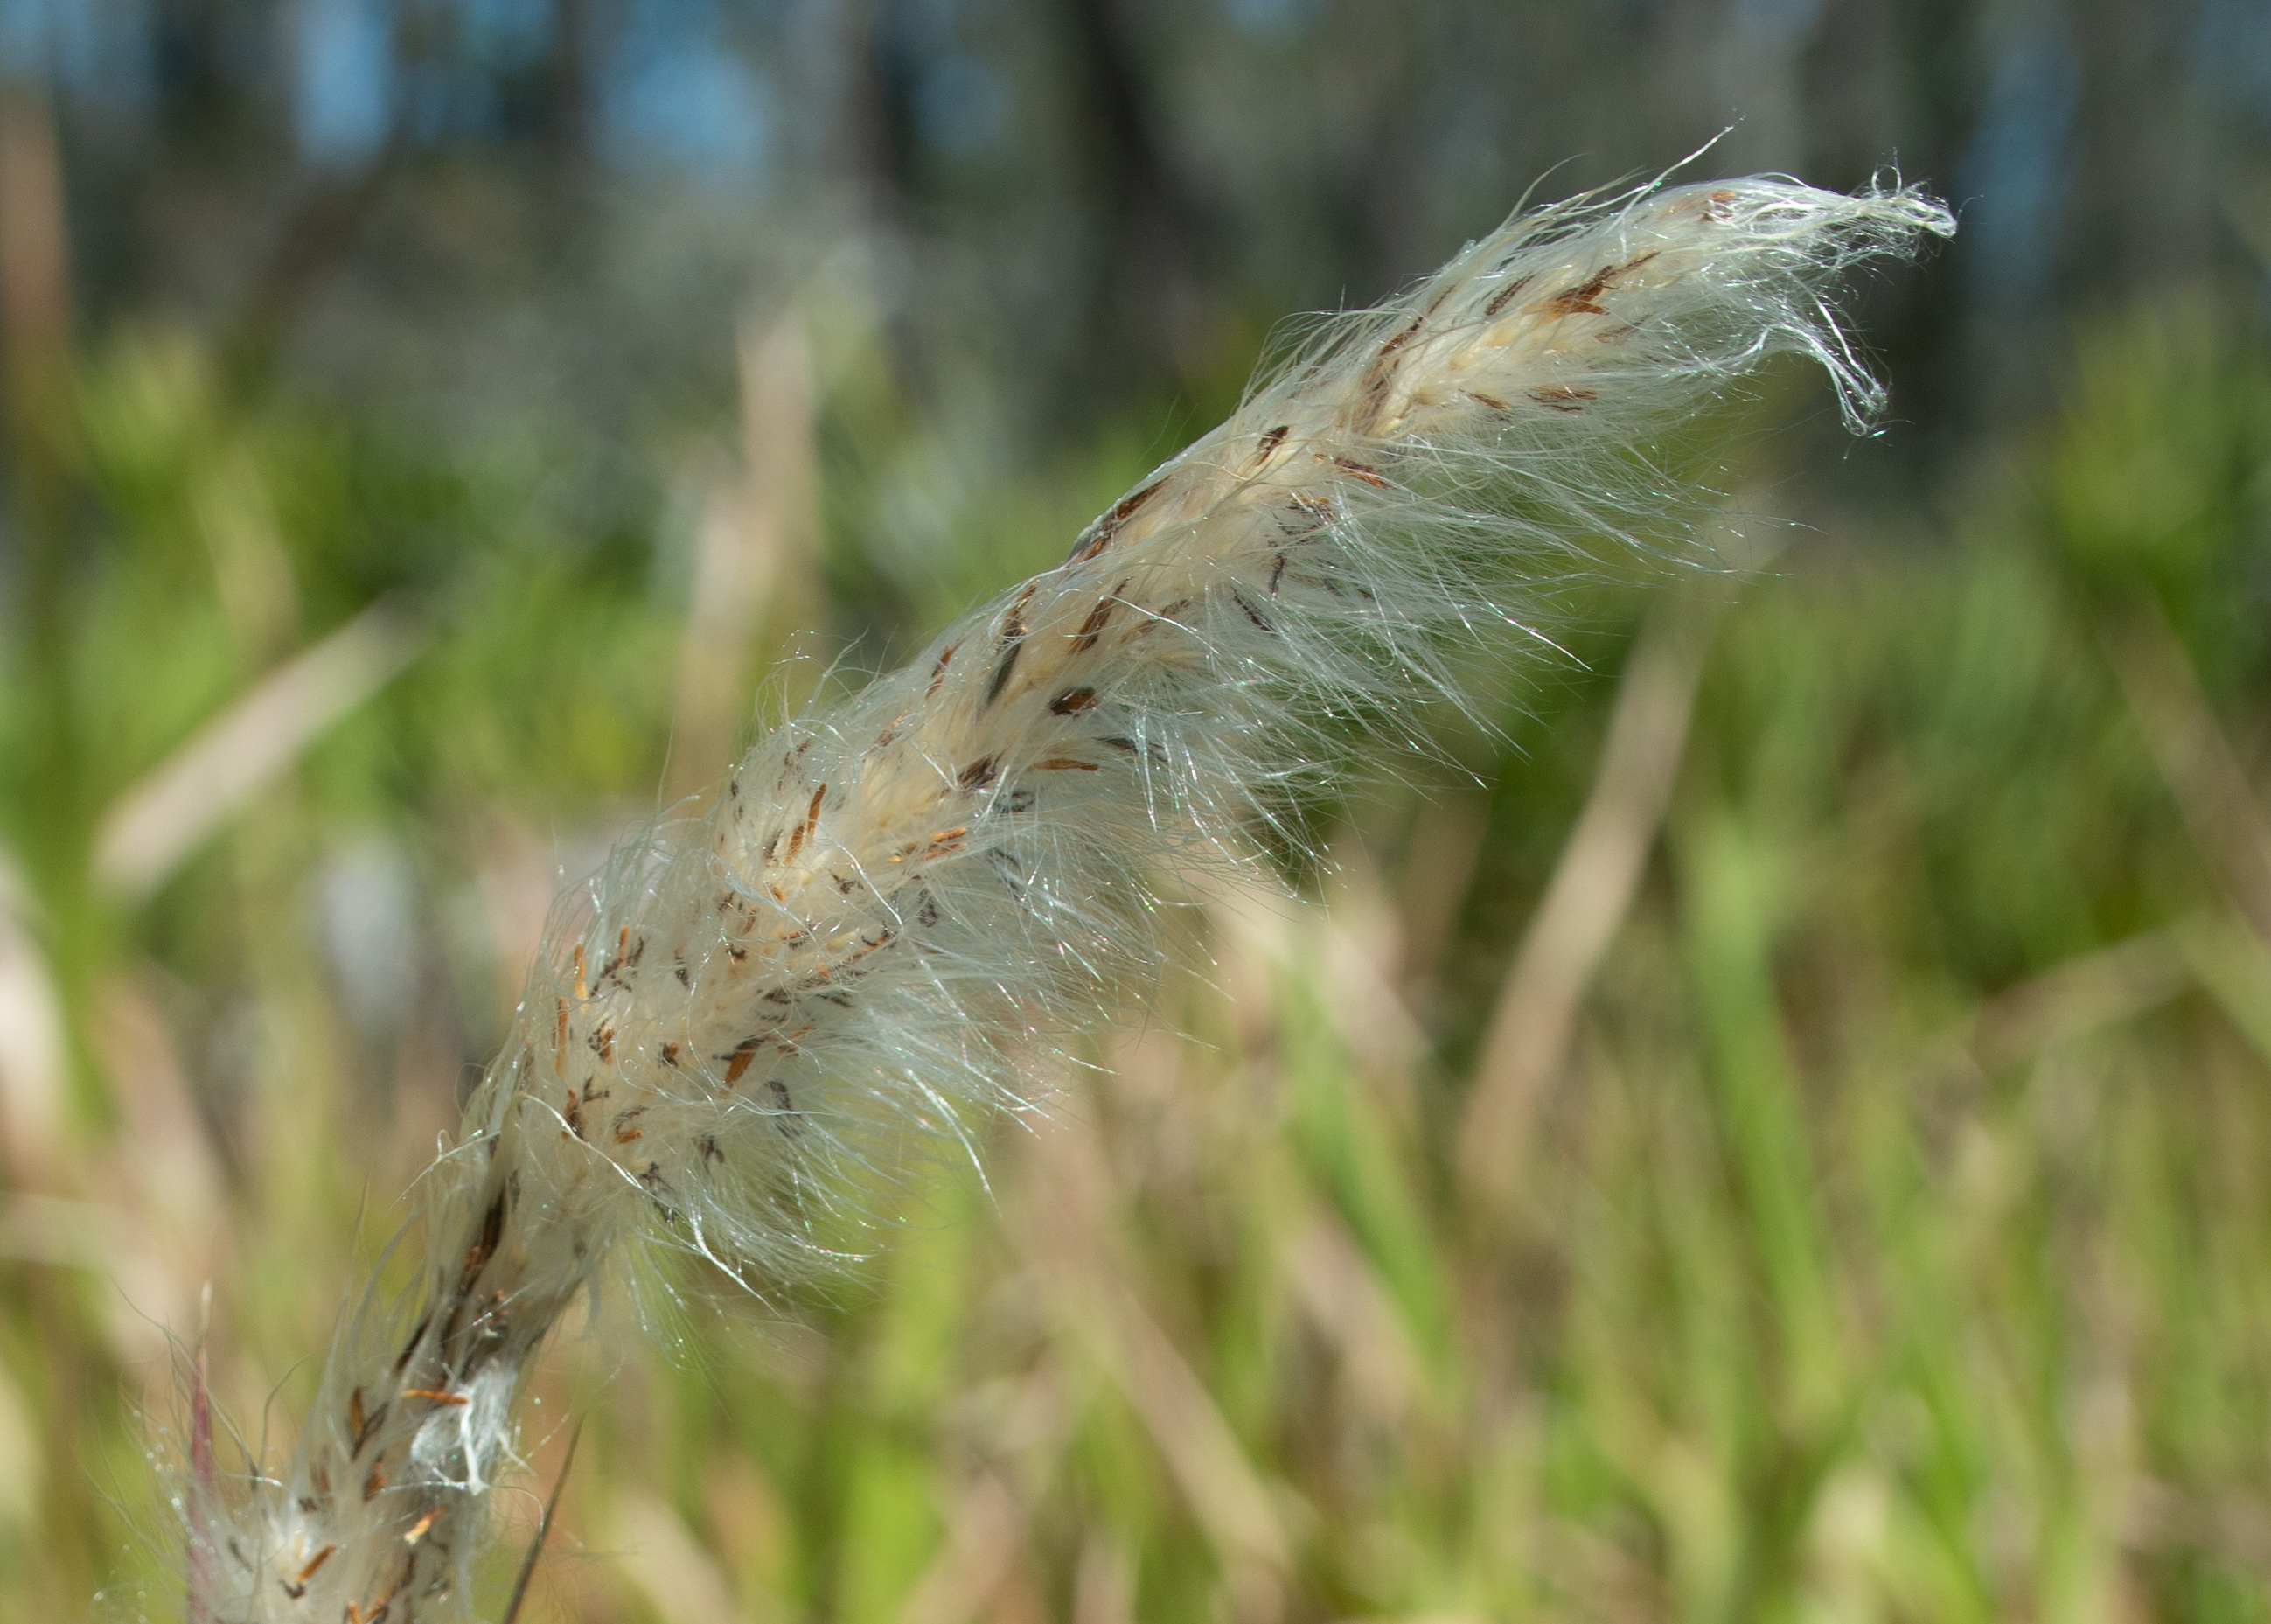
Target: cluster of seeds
x=898 y=908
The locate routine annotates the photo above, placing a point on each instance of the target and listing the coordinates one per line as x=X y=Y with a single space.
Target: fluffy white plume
x=895 y=907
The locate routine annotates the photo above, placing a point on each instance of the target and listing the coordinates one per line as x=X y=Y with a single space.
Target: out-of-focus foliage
x=1891 y=1241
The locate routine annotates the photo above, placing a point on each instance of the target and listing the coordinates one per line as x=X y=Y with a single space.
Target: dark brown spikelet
x=1099 y=534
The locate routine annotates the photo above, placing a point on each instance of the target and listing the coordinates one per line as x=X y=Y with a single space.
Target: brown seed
x=1098 y=535
x=1506 y=295
x=1013 y=643
x=484 y=1247
x=1370 y=476
x=417 y=1335
x=1583 y=300
x=1578 y=301
x=1092 y=628
x=743 y=1053
x=811 y=821
x=1562 y=398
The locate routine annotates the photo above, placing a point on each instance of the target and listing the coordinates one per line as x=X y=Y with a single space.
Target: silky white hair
x=899 y=907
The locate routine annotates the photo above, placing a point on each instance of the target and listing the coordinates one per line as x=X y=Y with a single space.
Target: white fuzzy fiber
x=898 y=907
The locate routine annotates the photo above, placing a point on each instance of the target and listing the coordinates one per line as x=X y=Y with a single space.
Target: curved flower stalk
x=897 y=906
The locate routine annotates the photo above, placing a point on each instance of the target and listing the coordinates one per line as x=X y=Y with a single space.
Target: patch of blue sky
x=99 y=52
x=1780 y=21
x=2231 y=57
x=27 y=36
x=960 y=102
x=2012 y=180
x=443 y=99
x=435 y=103
x=505 y=34
x=675 y=95
x=343 y=80
x=1267 y=18
x=962 y=105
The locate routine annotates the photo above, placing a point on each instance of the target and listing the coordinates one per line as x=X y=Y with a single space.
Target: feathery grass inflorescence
x=897 y=908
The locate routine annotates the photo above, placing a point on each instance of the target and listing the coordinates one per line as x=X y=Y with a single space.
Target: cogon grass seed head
x=899 y=908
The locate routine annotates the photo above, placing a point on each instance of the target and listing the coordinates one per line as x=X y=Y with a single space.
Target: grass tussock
x=1886 y=1241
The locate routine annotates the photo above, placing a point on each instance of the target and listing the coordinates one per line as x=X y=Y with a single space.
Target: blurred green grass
x=1891 y=1240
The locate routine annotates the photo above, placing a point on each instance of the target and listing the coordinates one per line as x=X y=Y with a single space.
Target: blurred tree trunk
x=564 y=112
x=197 y=99
x=1149 y=289
x=880 y=143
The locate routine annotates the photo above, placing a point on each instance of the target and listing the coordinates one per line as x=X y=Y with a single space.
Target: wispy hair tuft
x=898 y=909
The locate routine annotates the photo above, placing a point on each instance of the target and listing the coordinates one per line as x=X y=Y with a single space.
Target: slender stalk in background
x=1527 y=1039
x=898 y=909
